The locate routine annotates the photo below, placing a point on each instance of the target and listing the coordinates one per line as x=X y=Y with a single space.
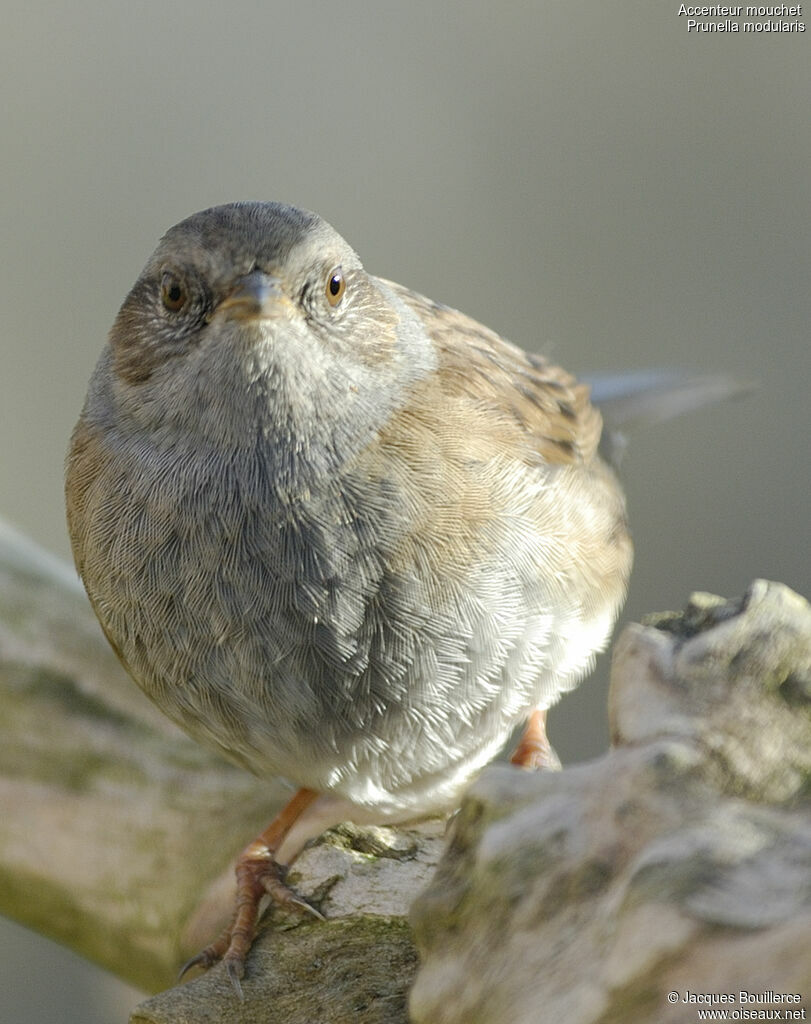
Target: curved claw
x=302 y=904
x=235 y=970
x=203 y=959
x=279 y=891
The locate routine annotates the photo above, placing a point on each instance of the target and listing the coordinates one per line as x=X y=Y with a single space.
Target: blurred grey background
x=587 y=178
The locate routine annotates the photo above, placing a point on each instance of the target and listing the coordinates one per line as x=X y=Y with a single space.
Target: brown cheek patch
x=135 y=356
x=370 y=328
x=135 y=338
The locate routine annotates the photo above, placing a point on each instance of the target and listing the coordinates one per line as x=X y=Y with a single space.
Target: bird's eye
x=336 y=286
x=173 y=292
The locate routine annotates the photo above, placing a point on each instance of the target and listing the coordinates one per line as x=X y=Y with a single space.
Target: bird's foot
x=258 y=875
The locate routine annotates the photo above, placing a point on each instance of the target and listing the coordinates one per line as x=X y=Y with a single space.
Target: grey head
x=258 y=319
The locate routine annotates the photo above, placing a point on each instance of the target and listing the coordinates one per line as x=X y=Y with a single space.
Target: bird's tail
x=628 y=400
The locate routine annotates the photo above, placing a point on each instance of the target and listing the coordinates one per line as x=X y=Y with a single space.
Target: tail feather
x=627 y=400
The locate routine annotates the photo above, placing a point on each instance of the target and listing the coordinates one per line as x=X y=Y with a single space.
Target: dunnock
x=339 y=532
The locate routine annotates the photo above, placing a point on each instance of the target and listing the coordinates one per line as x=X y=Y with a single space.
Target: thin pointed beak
x=256 y=296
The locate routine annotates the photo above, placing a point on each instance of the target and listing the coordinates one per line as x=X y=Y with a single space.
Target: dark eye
x=336 y=286
x=173 y=292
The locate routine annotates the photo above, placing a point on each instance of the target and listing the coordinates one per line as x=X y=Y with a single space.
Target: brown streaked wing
x=540 y=400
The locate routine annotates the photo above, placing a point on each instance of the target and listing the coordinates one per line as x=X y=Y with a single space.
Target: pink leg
x=534 y=751
x=258 y=872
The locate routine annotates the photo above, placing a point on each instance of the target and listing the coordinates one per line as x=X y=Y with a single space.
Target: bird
x=338 y=532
